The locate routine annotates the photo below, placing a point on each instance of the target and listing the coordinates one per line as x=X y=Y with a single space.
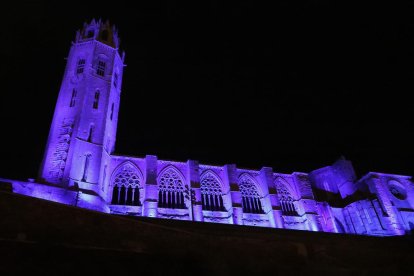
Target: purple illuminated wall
x=80 y=169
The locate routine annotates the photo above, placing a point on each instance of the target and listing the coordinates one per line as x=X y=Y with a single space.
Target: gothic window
x=126 y=185
x=73 y=98
x=100 y=70
x=115 y=80
x=96 y=100
x=80 y=67
x=211 y=194
x=112 y=111
x=286 y=200
x=171 y=190
x=250 y=196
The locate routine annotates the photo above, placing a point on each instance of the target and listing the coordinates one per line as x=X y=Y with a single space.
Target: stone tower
x=83 y=131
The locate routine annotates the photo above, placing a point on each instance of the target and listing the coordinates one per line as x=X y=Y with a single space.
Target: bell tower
x=83 y=129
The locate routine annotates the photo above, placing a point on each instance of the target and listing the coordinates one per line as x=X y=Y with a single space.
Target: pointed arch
x=126 y=182
x=171 y=188
x=251 y=198
x=286 y=197
x=211 y=191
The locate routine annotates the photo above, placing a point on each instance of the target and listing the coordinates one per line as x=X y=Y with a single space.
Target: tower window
x=73 y=98
x=96 y=100
x=100 y=70
x=81 y=66
x=86 y=167
x=91 y=129
x=116 y=80
x=90 y=33
x=112 y=111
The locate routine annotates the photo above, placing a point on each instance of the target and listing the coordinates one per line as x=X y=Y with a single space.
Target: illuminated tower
x=83 y=129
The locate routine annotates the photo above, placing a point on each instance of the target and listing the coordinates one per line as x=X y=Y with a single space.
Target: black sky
x=293 y=86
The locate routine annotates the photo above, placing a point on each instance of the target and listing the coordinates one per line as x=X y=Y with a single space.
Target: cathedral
x=80 y=168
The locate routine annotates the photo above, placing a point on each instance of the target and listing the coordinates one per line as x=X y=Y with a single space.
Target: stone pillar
x=230 y=175
x=194 y=179
x=266 y=177
x=306 y=204
x=314 y=224
x=277 y=214
x=150 y=204
x=276 y=207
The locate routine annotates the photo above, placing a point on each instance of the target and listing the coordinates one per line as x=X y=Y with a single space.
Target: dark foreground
x=41 y=237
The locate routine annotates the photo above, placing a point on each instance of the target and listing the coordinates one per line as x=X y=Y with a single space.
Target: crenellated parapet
x=100 y=31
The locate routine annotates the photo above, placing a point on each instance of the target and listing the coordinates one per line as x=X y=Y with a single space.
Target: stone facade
x=80 y=168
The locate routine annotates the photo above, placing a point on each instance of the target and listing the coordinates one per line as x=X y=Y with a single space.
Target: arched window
x=96 y=100
x=285 y=198
x=81 y=66
x=100 y=69
x=86 y=167
x=126 y=184
x=73 y=98
x=211 y=194
x=171 y=189
x=90 y=135
x=250 y=196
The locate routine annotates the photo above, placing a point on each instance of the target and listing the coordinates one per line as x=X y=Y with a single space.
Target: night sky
x=292 y=86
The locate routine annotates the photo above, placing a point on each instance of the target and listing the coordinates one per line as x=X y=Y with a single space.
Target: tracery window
x=286 y=200
x=211 y=194
x=250 y=196
x=171 y=190
x=126 y=185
